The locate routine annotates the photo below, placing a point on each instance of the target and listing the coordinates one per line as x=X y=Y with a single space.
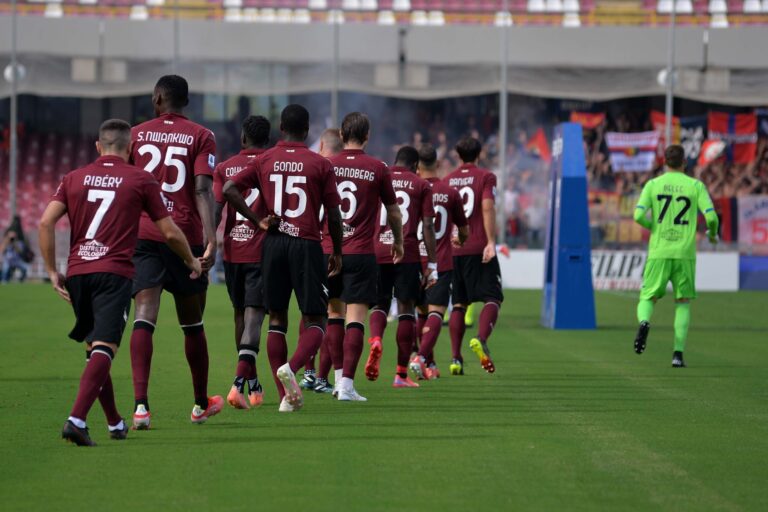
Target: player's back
x=242 y=240
x=104 y=201
x=448 y=211
x=415 y=200
x=362 y=182
x=294 y=183
x=473 y=184
x=175 y=150
x=674 y=200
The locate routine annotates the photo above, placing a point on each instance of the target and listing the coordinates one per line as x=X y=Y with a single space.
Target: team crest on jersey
x=241 y=233
x=92 y=250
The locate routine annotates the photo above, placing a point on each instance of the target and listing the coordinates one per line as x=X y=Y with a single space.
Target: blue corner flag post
x=569 y=300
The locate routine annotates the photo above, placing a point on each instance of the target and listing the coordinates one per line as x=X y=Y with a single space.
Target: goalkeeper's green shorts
x=659 y=272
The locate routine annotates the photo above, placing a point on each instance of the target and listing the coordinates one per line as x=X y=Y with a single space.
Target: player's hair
x=355 y=126
x=674 y=156
x=294 y=120
x=174 y=89
x=115 y=135
x=332 y=140
x=407 y=156
x=468 y=149
x=427 y=156
x=256 y=130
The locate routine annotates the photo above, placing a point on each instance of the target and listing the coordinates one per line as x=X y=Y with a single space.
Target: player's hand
x=430 y=278
x=196 y=267
x=397 y=253
x=57 y=281
x=208 y=258
x=713 y=238
x=334 y=265
x=269 y=222
x=489 y=252
x=456 y=241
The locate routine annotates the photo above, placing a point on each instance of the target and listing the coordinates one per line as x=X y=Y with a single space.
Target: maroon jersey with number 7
x=174 y=150
x=104 y=201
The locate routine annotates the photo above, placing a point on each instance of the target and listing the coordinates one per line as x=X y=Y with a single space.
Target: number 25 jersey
x=673 y=199
x=174 y=150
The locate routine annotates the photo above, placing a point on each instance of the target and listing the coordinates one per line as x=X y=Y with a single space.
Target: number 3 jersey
x=414 y=196
x=174 y=150
x=242 y=240
x=364 y=184
x=474 y=184
x=294 y=183
x=673 y=199
x=104 y=201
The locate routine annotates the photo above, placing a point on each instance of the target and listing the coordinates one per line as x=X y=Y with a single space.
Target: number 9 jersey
x=174 y=150
x=474 y=184
x=673 y=199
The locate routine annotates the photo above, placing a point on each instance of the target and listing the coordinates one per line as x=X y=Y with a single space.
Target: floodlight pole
x=175 y=64
x=668 y=109
x=501 y=214
x=13 y=128
x=335 y=71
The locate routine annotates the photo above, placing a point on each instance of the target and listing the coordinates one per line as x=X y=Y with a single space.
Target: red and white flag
x=632 y=152
x=711 y=150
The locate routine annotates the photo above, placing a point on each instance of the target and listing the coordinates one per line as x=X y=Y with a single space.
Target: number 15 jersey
x=174 y=150
x=673 y=199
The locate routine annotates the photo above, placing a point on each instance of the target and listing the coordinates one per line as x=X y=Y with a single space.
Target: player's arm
x=47 y=238
x=430 y=242
x=179 y=244
x=395 y=222
x=335 y=229
x=459 y=220
x=235 y=198
x=218 y=196
x=205 y=206
x=643 y=206
x=706 y=207
x=489 y=226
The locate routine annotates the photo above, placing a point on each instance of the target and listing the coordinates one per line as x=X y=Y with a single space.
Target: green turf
x=570 y=421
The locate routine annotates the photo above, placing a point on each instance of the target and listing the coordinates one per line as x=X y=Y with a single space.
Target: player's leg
x=456 y=322
x=407 y=292
x=334 y=338
x=684 y=284
x=322 y=385
x=378 y=318
x=310 y=373
x=655 y=278
x=115 y=423
x=437 y=299
x=483 y=284
x=189 y=311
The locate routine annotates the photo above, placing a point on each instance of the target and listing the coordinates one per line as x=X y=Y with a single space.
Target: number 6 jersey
x=174 y=150
x=673 y=199
x=104 y=201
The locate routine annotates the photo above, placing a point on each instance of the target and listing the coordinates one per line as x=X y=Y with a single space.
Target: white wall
x=715 y=271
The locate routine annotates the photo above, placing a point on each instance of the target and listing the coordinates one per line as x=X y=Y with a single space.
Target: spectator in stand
x=15 y=252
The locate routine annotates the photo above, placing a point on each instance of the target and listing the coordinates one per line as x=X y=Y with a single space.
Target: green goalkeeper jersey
x=674 y=200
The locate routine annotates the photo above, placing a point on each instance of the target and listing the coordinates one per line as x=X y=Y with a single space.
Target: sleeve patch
x=709 y=210
x=211 y=161
x=640 y=206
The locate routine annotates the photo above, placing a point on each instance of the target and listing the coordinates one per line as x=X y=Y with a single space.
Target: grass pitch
x=570 y=421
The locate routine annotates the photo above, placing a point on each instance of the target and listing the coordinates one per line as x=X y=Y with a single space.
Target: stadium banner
x=588 y=120
x=632 y=152
x=618 y=270
x=689 y=132
x=738 y=131
x=762 y=122
x=753 y=220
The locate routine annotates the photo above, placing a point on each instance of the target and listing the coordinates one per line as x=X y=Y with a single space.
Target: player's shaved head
x=427 y=156
x=173 y=91
x=115 y=135
x=355 y=128
x=468 y=149
x=674 y=156
x=407 y=157
x=256 y=131
x=294 y=121
x=330 y=141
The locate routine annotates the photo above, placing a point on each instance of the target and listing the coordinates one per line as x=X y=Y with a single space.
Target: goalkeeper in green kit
x=673 y=200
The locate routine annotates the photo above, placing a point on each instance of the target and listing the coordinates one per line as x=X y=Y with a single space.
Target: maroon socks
x=334 y=337
x=309 y=343
x=378 y=322
x=92 y=381
x=277 y=351
x=488 y=316
x=404 y=336
x=430 y=333
x=353 y=348
x=196 y=350
x=141 y=359
x=457 y=327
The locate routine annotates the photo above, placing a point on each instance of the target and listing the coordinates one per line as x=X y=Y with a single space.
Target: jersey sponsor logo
x=671 y=235
x=242 y=233
x=387 y=237
x=347 y=230
x=92 y=250
x=289 y=229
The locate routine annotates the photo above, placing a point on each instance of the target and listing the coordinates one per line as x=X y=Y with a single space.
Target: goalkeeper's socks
x=682 y=321
x=644 y=310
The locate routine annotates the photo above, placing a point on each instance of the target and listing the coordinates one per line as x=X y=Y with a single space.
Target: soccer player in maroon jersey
x=449 y=212
x=330 y=145
x=476 y=272
x=363 y=183
x=103 y=202
x=181 y=156
x=414 y=196
x=242 y=263
x=294 y=183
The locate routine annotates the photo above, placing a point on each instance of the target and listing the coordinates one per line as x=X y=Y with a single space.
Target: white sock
x=337 y=376
x=347 y=383
x=119 y=426
x=77 y=422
